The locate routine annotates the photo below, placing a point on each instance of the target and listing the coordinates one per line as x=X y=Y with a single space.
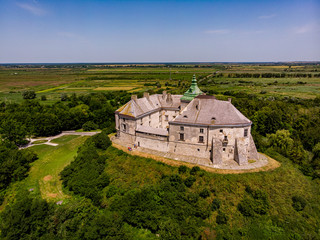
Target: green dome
x=192 y=92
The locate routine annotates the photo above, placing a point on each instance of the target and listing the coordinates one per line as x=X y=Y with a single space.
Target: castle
x=193 y=124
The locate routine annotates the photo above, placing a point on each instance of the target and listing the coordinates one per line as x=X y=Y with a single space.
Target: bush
x=29 y=94
x=221 y=218
x=64 y=97
x=183 y=169
x=88 y=126
x=298 y=203
x=189 y=181
x=194 y=170
x=215 y=205
x=204 y=193
x=256 y=204
x=43 y=98
x=101 y=141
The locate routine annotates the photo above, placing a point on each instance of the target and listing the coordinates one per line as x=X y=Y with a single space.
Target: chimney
x=146 y=95
x=134 y=97
x=169 y=98
x=229 y=100
x=164 y=94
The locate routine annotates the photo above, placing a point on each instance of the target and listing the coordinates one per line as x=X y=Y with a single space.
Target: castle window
x=124 y=127
x=167 y=118
x=225 y=141
x=245 y=132
x=179 y=107
x=181 y=137
x=181 y=128
x=224 y=149
x=213 y=118
x=201 y=130
x=197 y=107
x=200 y=139
x=185 y=116
x=221 y=130
x=198 y=149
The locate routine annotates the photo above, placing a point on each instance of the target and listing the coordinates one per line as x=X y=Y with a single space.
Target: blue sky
x=159 y=31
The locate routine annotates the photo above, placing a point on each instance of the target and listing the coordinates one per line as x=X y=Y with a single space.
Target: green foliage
x=189 y=181
x=30 y=94
x=100 y=141
x=64 y=97
x=88 y=126
x=284 y=144
x=256 y=203
x=183 y=169
x=298 y=203
x=221 y=218
x=43 y=98
x=165 y=208
x=215 y=205
x=14 y=165
x=204 y=193
x=25 y=219
x=194 y=170
x=85 y=175
x=13 y=131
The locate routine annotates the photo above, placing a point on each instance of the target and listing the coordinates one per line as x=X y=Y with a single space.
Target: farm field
x=52 y=82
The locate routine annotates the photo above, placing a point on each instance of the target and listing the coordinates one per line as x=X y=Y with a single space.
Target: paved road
x=48 y=139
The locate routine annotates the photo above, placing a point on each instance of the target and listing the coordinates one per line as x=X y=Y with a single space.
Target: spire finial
x=194 y=80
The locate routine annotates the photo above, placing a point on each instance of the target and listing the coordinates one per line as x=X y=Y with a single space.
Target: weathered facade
x=192 y=124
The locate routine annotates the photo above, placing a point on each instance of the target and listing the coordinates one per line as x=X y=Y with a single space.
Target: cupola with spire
x=192 y=92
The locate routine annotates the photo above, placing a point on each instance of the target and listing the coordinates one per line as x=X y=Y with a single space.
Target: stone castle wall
x=215 y=143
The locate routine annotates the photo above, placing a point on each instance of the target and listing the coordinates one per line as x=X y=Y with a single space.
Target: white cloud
x=217 y=31
x=267 y=16
x=307 y=28
x=32 y=9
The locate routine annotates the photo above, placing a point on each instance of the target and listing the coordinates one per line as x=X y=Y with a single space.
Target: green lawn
x=44 y=174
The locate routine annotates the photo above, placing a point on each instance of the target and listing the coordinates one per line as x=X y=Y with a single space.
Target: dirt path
x=272 y=164
x=48 y=139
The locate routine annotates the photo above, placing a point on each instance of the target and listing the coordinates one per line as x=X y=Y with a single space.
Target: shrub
x=221 y=218
x=194 y=170
x=204 y=193
x=43 y=98
x=298 y=203
x=29 y=94
x=183 y=169
x=88 y=126
x=256 y=204
x=64 y=97
x=189 y=181
x=215 y=205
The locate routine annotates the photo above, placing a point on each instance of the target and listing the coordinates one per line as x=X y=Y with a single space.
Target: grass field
x=52 y=82
x=43 y=176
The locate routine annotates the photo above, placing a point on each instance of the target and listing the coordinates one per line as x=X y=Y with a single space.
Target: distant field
x=52 y=82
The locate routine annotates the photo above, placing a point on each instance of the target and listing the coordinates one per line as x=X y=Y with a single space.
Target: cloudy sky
x=35 y=31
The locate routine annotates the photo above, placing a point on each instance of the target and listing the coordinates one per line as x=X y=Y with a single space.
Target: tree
x=88 y=126
x=30 y=94
x=13 y=131
x=285 y=145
